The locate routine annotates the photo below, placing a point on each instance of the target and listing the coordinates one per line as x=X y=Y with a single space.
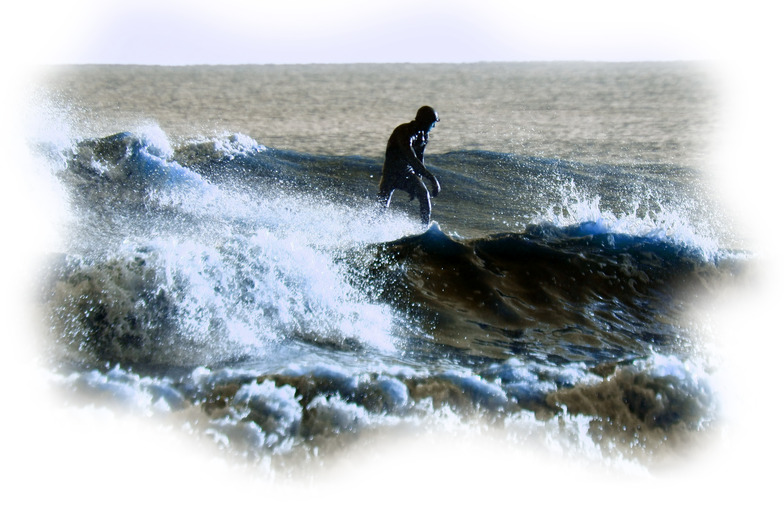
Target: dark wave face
x=555 y=294
x=265 y=293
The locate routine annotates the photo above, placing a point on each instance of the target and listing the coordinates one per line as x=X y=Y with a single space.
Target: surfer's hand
x=436 y=188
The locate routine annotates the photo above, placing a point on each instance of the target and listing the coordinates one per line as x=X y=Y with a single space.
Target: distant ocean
x=225 y=268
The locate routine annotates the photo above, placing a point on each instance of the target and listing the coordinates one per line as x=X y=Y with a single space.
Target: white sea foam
x=236 y=144
x=663 y=224
x=227 y=299
x=124 y=389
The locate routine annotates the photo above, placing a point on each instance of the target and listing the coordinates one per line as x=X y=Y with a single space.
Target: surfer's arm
x=424 y=172
x=417 y=164
x=405 y=144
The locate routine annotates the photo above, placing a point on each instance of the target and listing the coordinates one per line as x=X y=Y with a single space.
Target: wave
x=172 y=302
x=624 y=414
x=267 y=291
x=225 y=239
x=575 y=293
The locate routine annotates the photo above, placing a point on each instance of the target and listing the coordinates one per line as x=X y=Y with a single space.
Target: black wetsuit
x=404 y=166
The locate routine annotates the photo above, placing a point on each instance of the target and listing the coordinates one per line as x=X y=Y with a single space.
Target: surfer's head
x=426 y=116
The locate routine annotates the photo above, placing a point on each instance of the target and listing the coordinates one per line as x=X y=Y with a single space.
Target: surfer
x=404 y=165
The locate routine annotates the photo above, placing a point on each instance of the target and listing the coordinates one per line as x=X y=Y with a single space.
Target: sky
x=178 y=32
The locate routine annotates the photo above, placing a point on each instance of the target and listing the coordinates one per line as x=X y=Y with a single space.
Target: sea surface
x=224 y=267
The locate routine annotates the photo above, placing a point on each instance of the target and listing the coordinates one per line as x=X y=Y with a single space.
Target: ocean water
x=224 y=268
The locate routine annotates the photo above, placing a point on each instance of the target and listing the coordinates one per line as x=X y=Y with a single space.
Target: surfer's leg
x=384 y=197
x=424 y=201
x=385 y=190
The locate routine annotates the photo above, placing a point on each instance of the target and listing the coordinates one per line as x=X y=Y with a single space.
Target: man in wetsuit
x=404 y=165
